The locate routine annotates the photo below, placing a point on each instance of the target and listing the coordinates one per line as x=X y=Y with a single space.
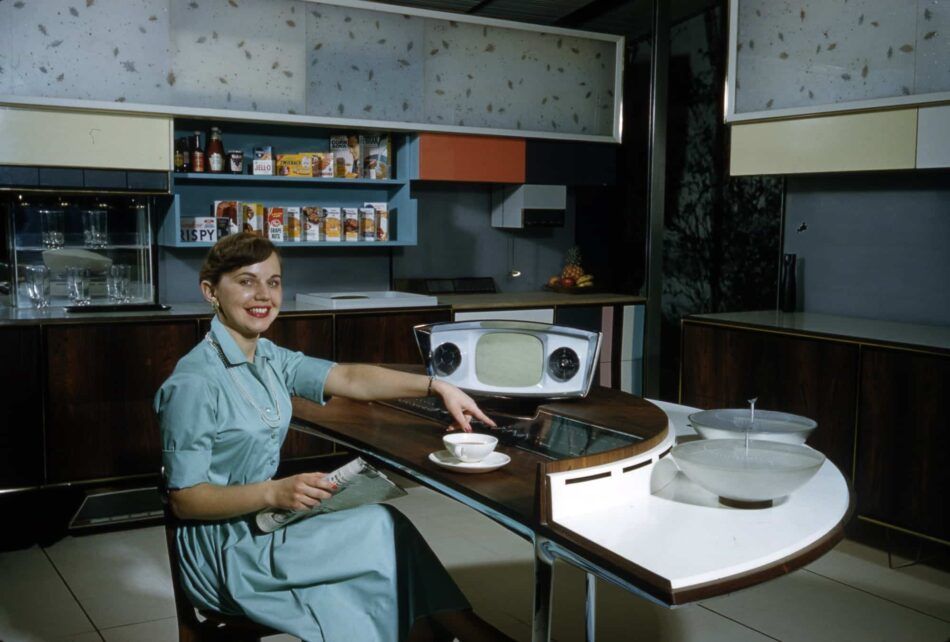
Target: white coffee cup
x=469 y=447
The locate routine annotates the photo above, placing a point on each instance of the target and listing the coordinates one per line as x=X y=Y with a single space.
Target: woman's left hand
x=460 y=406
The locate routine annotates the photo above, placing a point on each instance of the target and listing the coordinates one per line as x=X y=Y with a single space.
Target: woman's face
x=249 y=297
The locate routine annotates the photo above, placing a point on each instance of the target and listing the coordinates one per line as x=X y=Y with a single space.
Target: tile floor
x=115 y=587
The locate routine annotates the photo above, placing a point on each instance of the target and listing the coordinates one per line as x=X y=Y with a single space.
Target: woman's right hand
x=299 y=492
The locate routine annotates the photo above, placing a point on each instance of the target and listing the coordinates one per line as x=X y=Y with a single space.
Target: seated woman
x=361 y=574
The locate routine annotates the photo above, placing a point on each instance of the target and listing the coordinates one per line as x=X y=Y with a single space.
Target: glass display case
x=79 y=250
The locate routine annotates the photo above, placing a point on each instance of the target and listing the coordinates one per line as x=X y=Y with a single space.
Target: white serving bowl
x=732 y=423
x=767 y=471
x=60 y=259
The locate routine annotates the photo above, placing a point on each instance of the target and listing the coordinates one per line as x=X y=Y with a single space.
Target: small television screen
x=509 y=359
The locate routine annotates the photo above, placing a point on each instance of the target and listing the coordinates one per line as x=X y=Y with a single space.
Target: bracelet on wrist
x=429 y=387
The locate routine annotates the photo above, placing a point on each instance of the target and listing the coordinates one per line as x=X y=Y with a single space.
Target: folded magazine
x=358 y=483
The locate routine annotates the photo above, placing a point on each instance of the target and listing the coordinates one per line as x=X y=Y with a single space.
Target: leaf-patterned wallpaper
x=809 y=53
x=309 y=58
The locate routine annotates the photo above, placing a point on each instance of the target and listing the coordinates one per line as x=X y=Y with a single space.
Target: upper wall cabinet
x=474 y=159
x=41 y=137
x=818 y=56
x=338 y=63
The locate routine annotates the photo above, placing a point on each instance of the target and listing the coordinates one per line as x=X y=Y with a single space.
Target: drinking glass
x=51 y=228
x=37 y=285
x=94 y=228
x=77 y=285
x=117 y=282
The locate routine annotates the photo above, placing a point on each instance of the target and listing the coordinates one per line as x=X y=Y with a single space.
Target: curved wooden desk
x=627 y=516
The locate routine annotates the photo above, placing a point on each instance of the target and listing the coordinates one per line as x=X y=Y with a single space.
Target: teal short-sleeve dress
x=361 y=574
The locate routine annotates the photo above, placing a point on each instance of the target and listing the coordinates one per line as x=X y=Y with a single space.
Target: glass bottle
x=197 y=153
x=185 y=154
x=214 y=152
x=179 y=157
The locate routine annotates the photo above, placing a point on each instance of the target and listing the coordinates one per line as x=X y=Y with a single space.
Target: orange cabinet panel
x=479 y=159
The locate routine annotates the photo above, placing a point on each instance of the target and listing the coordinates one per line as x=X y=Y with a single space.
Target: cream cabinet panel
x=933 y=137
x=538 y=315
x=840 y=143
x=84 y=139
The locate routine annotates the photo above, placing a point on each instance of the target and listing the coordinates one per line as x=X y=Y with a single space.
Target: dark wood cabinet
x=21 y=397
x=723 y=368
x=383 y=337
x=312 y=335
x=101 y=380
x=881 y=410
x=901 y=472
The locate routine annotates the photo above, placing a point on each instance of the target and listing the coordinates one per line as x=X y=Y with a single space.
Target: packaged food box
x=351 y=224
x=199 y=229
x=332 y=225
x=367 y=224
x=382 y=220
x=293 y=226
x=376 y=150
x=252 y=218
x=275 y=223
x=322 y=164
x=295 y=164
x=312 y=218
x=228 y=210
x=225 y=227
x=346 y=155
x=263 y=162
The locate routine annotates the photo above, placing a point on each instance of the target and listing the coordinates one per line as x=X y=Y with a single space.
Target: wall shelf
x=194 y=194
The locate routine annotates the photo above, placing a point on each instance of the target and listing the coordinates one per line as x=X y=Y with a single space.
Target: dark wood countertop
x=849 y=329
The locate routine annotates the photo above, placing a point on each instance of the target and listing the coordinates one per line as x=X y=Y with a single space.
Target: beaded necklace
x=270 y=416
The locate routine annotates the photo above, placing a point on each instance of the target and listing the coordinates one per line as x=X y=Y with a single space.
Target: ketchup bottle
x=214 y=152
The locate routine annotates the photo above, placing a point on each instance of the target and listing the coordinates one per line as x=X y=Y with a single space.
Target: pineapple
x=572 y=264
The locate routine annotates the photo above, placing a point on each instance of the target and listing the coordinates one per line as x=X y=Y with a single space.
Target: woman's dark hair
x=235 y=251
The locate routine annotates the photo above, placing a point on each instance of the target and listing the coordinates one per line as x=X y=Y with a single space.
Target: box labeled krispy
x=346 y=155
x=332 y=224
x=200 y=229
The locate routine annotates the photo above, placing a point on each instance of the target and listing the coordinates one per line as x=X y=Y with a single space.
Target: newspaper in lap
x=359 y=483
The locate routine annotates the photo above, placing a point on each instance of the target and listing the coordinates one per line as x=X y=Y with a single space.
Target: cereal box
x=332 y=225
x=346 y=156
x=228 y=210
x=382 y=220
x=312 y=218
x=224 y=227
x=351 y=224
x=263 y=162
x=275 y=223
x=200 y=229
x=295 y=164
x=293 y=226
x=252 y=218
x=367 y=224
x=376 y=150
x=322 y=164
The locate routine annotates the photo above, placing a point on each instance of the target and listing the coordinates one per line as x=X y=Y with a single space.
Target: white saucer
x=445 y=459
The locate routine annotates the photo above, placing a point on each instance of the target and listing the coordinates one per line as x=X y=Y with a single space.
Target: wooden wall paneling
x=901 y=472
x=724 y=367
x=383 y=337
x=101 y=381
x=21 y=397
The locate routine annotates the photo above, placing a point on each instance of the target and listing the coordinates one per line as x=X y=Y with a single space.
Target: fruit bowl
x=732 y=423
x=764 y=472
x=573 y=290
